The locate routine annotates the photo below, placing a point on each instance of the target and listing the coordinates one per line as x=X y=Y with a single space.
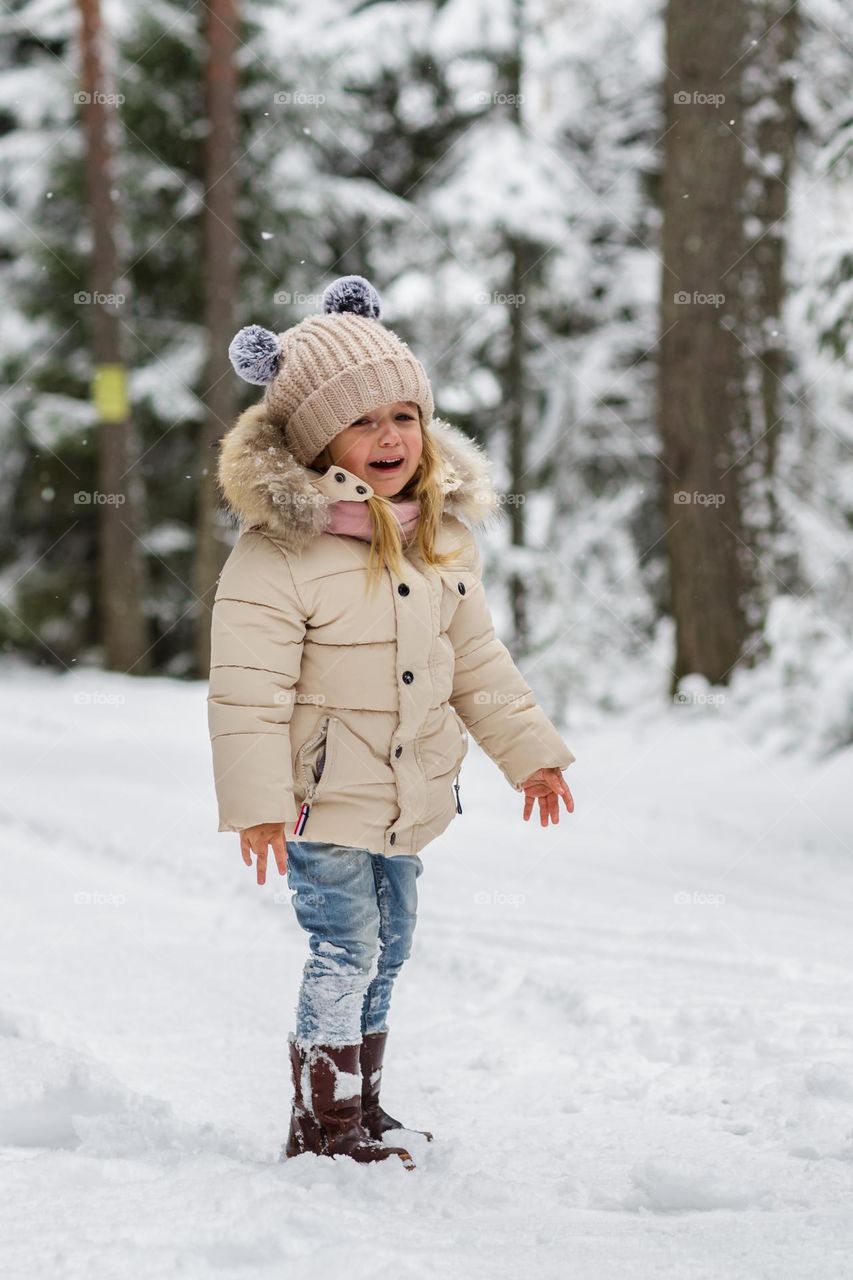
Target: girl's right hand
x=254 y=840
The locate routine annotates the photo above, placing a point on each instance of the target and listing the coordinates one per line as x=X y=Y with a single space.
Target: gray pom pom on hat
x=352 y=294
x=255 y=354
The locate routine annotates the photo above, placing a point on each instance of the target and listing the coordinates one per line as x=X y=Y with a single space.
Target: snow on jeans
x=359 y=909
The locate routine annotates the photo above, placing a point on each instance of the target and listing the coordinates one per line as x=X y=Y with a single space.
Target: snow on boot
x=375 y=1120
x=336 y=1105
x=305 y=1134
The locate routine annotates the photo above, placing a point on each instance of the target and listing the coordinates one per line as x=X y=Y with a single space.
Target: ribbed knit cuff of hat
x=349 y=394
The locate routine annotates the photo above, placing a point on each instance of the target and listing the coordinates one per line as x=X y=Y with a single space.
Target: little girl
x=351 y=650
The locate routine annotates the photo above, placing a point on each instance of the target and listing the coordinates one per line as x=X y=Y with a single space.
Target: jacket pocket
x=463 y=736
x=442 y=750
x=315 y=758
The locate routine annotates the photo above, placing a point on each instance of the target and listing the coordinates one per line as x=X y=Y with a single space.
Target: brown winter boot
x=339 y=1118
x=375 y=1120
x=305 y=1134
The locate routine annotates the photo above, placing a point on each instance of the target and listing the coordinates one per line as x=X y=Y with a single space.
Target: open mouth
x=387 y=464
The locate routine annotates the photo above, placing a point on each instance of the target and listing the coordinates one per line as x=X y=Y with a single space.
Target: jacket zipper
x=464 y=731
x=310 y=787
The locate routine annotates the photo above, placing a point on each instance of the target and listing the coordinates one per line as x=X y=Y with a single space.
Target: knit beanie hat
x=330 y=369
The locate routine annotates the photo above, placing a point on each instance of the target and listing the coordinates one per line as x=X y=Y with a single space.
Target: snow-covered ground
x=632 y=1034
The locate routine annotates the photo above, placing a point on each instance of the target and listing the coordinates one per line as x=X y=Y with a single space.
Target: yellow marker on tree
x=109 y=393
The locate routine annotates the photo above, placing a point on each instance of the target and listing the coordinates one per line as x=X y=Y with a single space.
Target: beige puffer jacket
x=356 y=704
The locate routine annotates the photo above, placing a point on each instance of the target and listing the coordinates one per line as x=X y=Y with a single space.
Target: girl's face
x=387 y=431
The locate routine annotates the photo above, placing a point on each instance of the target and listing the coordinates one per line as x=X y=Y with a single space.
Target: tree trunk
x=220 y=256
x=121 y=576
x=515 y=397
x=717 y=291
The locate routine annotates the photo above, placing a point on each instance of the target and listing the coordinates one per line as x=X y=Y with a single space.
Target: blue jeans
x=359 y=909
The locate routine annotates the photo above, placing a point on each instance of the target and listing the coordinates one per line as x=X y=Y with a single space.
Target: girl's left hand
x=546 y=786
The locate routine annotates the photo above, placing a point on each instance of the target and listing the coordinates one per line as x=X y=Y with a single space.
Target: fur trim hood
x=265 y=487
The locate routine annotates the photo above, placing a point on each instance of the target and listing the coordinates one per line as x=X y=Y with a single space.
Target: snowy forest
x=619 y=237
x=655 y=353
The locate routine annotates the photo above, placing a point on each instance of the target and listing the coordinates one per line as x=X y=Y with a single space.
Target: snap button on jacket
x=353 y=704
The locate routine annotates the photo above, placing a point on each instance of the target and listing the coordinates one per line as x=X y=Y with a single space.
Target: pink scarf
x=353 y=519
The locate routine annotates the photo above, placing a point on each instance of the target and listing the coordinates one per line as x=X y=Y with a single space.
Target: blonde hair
x=386 y=544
